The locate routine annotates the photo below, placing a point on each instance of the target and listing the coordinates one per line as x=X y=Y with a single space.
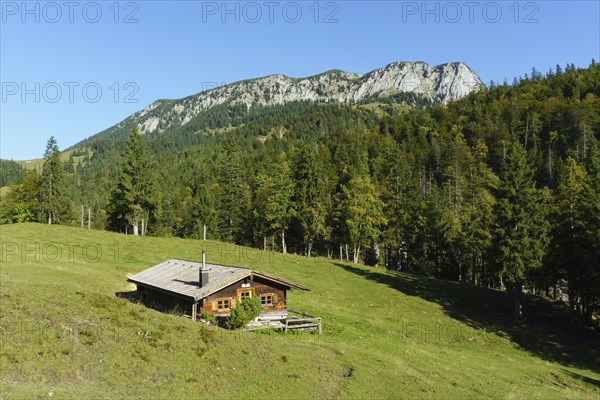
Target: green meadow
x=67 y=334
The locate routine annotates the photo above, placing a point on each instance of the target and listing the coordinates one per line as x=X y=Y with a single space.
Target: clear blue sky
x=53 y=50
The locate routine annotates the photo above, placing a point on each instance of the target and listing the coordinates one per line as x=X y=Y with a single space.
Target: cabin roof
x=181 y=277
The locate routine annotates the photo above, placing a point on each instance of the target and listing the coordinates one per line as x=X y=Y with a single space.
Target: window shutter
x=274 y=299
x=232 y=303
x=214 y=305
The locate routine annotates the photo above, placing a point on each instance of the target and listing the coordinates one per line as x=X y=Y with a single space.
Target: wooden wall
x=259 y=286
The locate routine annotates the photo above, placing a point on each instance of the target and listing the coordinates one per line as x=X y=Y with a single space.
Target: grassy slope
x=385 y=335
x=38 y=163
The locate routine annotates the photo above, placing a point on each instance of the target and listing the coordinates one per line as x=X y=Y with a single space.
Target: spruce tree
x=568 y=230
x=54 y=204
x=311 y=196
x=477 y=215
x=589 y=245
x=442 y=231
x=132 y=199
x=576 y=235
x=406 y=215
x=521 y=231
x=203 y=212
x=274 y=206
x=234 y=192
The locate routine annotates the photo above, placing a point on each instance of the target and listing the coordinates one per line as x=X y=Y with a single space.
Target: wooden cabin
x=192 y=288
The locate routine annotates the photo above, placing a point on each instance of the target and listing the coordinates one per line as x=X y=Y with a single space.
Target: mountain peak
x=442 y=83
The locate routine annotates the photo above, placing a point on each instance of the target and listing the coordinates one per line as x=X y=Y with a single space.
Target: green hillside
x=65 y=333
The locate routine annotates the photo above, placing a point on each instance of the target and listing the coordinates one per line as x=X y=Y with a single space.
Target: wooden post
x=142 y=227
x=204 y=232
x=82 y=216
x=89 y=217
x=193 y=311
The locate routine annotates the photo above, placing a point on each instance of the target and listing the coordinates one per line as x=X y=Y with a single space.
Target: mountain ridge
x=440 y=83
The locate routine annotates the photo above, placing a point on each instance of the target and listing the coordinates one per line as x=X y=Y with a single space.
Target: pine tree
x=521 y=225
x=133 y=198
x=54 y=204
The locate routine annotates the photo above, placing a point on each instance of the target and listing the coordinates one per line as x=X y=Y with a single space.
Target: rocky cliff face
x=442 y=83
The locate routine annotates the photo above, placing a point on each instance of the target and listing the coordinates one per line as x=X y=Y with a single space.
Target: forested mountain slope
x=427 y=191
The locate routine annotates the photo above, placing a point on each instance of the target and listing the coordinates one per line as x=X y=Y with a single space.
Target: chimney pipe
x=203 y=278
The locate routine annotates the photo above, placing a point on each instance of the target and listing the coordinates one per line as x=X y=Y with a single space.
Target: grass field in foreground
x=66 y=333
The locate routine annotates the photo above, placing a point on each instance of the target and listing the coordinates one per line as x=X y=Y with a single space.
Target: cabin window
x=266 y=299
x=244 y=293
x=223 y=304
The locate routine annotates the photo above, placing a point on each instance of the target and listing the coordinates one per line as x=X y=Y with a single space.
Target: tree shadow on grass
x=549 y=331
x=584 y=378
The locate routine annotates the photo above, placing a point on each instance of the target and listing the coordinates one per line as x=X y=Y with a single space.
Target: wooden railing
x=305 y=321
